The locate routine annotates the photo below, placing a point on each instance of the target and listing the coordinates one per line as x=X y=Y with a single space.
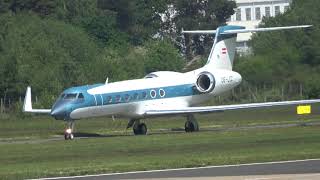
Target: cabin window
x=135 y=96
x=62 y=96
x=118 y=98
x=127 y=97
x=153 y=93
x=109 y=99
x=80 y=96
x=70 y=96
x=144 y=95
x=162 y=93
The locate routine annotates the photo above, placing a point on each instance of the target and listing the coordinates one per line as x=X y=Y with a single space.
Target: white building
x=249 y=13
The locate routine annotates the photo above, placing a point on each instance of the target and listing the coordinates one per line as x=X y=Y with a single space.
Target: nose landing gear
x=68 y=133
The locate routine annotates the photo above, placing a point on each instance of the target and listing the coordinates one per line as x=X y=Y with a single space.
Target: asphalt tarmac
x=299 y=169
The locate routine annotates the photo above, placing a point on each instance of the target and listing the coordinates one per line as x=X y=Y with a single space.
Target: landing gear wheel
x=71 y=136
x=140 y=129
x=68 y=136
x=191 y=124
x=68 y=133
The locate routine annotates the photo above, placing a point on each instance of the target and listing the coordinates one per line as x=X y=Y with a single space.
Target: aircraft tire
x=143 y=128
x=71 y=136
x=191 y=126
x=140 y=129
x=68 y=136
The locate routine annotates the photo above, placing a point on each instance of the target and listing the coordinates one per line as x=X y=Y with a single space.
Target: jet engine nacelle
x=205 y=82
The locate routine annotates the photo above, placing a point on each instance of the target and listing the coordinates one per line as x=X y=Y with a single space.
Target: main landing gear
x=138 y=127
x=68 y=133
x=191 y=124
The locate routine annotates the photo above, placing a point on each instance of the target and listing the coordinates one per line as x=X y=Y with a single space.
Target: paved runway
x=300 y=169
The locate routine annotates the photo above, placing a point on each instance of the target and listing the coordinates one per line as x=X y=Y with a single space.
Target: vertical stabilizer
x=27 y=105
x=223 y=49
x=224 y=46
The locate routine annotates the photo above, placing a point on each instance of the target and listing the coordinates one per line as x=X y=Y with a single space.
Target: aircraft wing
x=200 y=32
x=209 y=109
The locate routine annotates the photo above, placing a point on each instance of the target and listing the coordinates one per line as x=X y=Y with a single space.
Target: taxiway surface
x=299 y=169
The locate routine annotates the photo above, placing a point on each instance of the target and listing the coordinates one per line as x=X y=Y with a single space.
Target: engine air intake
x=205 y=82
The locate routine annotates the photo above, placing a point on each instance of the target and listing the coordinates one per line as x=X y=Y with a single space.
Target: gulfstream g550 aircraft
x=161 y=93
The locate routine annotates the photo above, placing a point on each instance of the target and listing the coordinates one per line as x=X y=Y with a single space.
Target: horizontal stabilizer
x=236 y=31
x=208 y=109
x=27 y=105
x=263 y=29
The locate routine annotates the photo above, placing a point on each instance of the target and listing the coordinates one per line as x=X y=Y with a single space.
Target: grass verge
x=130 y=153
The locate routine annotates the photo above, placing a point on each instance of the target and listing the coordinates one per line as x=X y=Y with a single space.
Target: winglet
x=27 y=105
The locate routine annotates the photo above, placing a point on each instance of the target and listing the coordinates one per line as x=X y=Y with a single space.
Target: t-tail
x=224 y=46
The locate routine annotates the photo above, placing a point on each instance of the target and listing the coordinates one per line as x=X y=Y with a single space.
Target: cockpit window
x=150 y=76
x=62 y=96
x=80 y=96
x=70 y=96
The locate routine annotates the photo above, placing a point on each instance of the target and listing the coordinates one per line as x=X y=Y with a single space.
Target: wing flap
x=209 y=109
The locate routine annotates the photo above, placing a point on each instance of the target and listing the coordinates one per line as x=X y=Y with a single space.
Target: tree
x=41 y=7
x=47 y=54
x=195 y=14
x=162 y=56
x=140 y=19
x=290 y=58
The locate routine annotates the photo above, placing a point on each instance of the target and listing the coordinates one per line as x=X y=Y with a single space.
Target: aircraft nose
x=58 y=113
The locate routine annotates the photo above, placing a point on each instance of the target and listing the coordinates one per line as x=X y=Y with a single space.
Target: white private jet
x=161 y=93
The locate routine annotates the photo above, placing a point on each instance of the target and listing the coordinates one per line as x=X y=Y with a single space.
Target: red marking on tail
x=224 y=51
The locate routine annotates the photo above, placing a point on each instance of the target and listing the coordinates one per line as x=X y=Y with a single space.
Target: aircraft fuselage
x=132 y=98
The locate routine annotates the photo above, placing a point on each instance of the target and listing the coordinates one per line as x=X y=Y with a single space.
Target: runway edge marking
x=177 y=169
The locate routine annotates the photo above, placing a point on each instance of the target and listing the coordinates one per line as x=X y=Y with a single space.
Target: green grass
x=129 y=153
x=43 y=126
x=26 y=151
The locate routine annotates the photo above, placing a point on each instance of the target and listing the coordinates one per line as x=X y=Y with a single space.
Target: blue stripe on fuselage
x=170 y=92
x=95 y=100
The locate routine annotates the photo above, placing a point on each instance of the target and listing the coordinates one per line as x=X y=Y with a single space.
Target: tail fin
x=224 y=46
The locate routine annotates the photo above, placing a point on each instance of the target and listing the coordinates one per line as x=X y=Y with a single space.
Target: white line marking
x=178 y=169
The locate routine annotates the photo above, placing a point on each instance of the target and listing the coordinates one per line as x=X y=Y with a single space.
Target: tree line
x=54 y=44
x=284 y=64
